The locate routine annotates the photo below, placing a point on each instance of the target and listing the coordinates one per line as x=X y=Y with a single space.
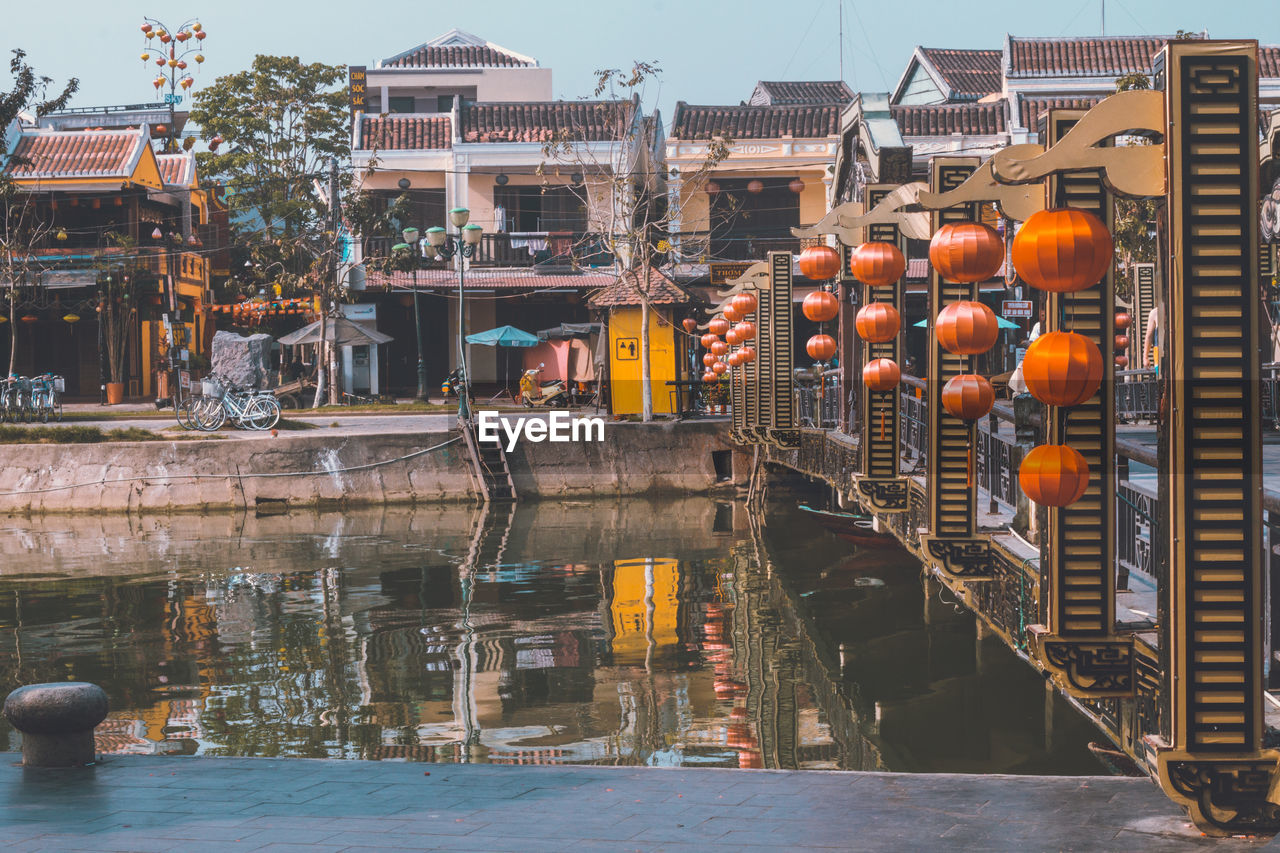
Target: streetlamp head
x=400 y=247
x=403 y=183
x=436 y=236
x=471 y=234
x=411 y=235
x=459 y=216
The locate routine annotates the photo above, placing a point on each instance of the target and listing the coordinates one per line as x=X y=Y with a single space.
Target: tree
x=23 y=231
x=119 y=282
x=624 y=186
x=1133 y=228
x=291 y=196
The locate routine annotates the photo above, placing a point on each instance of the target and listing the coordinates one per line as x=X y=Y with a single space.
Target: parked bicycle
x=26 y=399
x=221 y=401
x=46 y=396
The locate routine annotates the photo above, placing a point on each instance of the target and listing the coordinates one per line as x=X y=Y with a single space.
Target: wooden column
x=1213 y=761
x=879 y=485
x=1078 y=645
x=777 y=374
x=952 y=541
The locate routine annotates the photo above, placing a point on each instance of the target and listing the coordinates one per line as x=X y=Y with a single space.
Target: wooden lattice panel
x=781 y=333
x=880 y=410
x=763 y=407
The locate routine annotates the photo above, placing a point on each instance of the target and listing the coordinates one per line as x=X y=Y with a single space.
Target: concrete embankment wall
x=633 y=459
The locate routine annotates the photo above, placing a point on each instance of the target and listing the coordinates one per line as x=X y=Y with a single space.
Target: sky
x=710 y=52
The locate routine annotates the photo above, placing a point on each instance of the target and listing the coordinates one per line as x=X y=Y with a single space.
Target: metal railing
x=819 y=410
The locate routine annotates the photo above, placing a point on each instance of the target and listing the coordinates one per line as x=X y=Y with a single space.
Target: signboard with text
x=1016 y=309
x=357 y=77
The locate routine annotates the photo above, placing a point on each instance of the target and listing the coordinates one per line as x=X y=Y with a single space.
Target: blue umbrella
x=504 y=336
x=1004 y=324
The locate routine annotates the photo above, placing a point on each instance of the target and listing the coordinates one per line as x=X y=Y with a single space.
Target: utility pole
x=335 y=226
x=841 y=7
x=1104 y=17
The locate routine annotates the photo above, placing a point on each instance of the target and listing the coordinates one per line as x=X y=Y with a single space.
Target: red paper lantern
x=731 y=337
x=881 y=374
x=819 y=263
x=710 y=376
x=30 y=318
x=1122 y=361
x=735 y=358
x=708 y=359
x=796 y=186
x=1122 y=341
x=719 y=368
x=719 y=347
x=1062 y=250
x=746 y=330
x=755 y=186
x=968 y=396
x=966 y=252
x=1122 y=321
x=690 y=325
x=748 y=354
x=731 y=313
x=877 y=322
x=718 y=326
x=877 y=264
x=1054 y=475
x=746 y=303
x=967 y=328
x=712 y=188
x=1062 y=368
x=821 y=347
x=820 y=306
x=708 y=339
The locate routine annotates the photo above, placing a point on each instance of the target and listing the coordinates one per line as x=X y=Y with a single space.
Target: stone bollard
x=57 y=721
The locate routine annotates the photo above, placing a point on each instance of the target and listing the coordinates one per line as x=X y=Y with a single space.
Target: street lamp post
x=463 y=244
x=171 y=59
x=411 y=238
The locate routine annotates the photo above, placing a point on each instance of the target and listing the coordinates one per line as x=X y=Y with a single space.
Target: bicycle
x=46 y=395
x=257 y=410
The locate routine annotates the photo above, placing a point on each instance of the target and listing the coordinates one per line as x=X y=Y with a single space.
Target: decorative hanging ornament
x=1122 y=361
x=1122 y=321
x=966 y=252
x=709 y=376
x=967 y=328
x=731 y=313
x=820 y=306
x=199 y=58
x=146 y=28
x=755 y=186
x=747 y=354
x=1121 y=342
x=731 y=337
x=719 y=368
x=718 y=326
x=712 y=188
x=690 y=325
x=71 y=318
x=200 y=35
x=877 y=322
x=719 y=347
x=746 y=330
x=1062 y=368
x=735 y=358
x=877 y=264
x=1063 y=250
x=708 y=339
x=796 y=186
x=819 y=263
x=821 y=347
x=881 y=374
x=746 y=303
x=968 y=396
x=1054 y=475
x=30 y=318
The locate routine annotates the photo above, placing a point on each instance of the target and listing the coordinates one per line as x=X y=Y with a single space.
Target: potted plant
x=118 y=285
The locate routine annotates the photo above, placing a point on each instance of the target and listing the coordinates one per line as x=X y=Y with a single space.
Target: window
x=745 y=224
x=400 y=104
x=444 y=103
x=542 y=208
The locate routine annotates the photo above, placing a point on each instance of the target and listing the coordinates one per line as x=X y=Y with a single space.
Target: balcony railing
x=517 y=249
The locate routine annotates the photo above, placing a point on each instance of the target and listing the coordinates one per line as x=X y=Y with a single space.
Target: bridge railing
x=819 y=410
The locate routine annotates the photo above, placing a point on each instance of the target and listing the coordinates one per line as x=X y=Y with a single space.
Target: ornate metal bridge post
x=1211 y=757
x=880 y=412
x=1078 y=646
x=776 y=371
x=952 y=542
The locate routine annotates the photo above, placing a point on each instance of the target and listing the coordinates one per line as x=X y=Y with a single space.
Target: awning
x=338 y=331
x=503 y=336
x=569 y=330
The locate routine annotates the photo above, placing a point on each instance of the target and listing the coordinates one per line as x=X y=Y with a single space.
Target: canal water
x=676 y=633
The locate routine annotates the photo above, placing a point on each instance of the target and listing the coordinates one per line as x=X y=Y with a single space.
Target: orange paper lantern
x=877 y=264
x=690 y=325
x=968 y=396
x=708 y=359
x=755 y=186
x=1062 y=250
x=1062 y=368
x=748 y=354
x=821 y=347
x=746 y=303
x=710 y=376
x=966 y=252
x=731 y=337
x=708 y=339
x=1122 y=361
x=881 y=374
x=718 y=326
x=820 y=306
x=1122 y=321
x=819 y=263
x=1122 y=341
x=731 y=313
x=1054 y=475
x=746 y=330
x=720 y=347
x=877 y=322
x=967 y=328
x=719 y=367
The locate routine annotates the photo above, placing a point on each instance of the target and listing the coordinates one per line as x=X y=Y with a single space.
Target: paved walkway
x=133 y=803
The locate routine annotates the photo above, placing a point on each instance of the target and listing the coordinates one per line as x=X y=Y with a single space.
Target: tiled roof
x=946 y=119
x=1269 y=61
x=457 y=56
x=790 y=92
x=1030 y=109
x=488 y=279
x=76 y=154
x=626 y=290
x=970 y=74
x=1110 y=56
x=762 y=122
x=401 y=132
x=178 y=170
x=589 y=121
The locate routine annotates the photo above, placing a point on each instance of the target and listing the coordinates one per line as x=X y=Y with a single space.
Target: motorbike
x=553 y=392
x=449 y=387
